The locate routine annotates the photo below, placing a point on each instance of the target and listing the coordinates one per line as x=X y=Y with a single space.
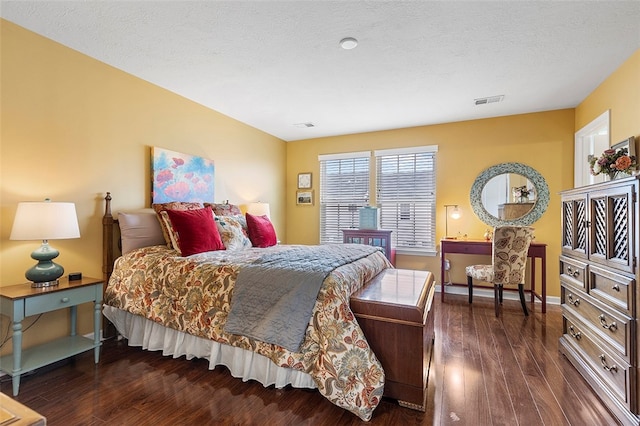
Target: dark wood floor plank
x=521 y=398
x=470 y=383
x=435 y=393
x=475 y=392
x=519 y=334
x=500 y=406
x=544 y=347
x=452 y=362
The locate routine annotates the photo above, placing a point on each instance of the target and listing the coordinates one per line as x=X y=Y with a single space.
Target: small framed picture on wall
x=304 y=180
x=304 y=198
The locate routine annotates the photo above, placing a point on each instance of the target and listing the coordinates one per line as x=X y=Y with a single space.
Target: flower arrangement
x=612 y=161
x=521 y=192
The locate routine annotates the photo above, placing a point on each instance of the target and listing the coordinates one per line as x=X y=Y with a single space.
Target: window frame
x=405 y=203
x=347 y=216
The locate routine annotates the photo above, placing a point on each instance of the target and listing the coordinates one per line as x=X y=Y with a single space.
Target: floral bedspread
x=192 y=294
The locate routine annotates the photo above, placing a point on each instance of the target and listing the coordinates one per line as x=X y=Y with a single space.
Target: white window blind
x=406 y=196
x=344 y=188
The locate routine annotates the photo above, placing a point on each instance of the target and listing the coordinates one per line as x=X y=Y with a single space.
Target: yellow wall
x=620 y=93
x=74 y=128
x=543 y=141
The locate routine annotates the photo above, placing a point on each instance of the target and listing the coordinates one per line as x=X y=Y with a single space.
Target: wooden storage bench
x=395 y=311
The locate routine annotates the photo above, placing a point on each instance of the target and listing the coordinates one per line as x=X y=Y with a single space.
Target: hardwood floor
x=486 y=371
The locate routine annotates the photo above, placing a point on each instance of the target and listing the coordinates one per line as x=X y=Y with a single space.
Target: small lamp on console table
x=455 y=214
x=45 y=221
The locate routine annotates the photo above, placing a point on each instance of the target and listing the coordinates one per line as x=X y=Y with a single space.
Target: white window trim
x=344 y=155
x=416 y=252
x=591 y=139
x=408 y=150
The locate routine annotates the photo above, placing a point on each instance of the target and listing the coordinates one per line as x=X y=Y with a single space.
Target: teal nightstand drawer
x=58 y=300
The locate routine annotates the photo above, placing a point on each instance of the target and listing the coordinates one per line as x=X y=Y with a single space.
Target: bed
x=180 y=303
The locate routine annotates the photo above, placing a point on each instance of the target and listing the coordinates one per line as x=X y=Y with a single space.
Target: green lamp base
x=45 y=273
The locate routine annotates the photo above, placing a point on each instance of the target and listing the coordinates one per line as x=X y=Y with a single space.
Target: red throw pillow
x=261 y=232
x=197 y=230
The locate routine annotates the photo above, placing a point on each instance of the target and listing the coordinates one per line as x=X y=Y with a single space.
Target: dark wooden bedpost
x=107 y=240
x=108 y=329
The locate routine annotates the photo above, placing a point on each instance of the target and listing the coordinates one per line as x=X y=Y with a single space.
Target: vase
x=612 y=175
x=523 y=199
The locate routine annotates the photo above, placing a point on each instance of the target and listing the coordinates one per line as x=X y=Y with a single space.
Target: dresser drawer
x=615 y=329
x=614 y=372
x=612 y=289
x=51 y=301
x=573 y=272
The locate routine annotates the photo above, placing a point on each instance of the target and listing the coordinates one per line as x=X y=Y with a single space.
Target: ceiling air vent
x=489 y=100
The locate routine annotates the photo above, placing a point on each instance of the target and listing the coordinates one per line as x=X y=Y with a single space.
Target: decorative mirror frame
x=542 y=194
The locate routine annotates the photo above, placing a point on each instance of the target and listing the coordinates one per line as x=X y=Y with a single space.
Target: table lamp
x=455 y=214
x=45 y=221
x=259 y=209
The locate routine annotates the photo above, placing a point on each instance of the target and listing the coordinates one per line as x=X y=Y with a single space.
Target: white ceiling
x=275 y=64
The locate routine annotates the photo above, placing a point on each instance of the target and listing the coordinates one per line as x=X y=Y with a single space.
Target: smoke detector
x=304 y=125
x=488 y=100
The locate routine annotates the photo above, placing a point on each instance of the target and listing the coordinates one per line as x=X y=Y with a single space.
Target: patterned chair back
x=510 y=247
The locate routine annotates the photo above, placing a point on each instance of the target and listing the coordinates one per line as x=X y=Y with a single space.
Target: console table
x=536 y=251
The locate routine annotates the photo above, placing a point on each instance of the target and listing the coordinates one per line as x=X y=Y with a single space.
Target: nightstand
x=20 y=301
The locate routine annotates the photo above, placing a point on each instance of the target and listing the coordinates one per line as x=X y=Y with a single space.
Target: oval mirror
x=509 y=194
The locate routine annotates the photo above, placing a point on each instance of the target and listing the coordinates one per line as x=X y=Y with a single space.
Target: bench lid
x=399 y=294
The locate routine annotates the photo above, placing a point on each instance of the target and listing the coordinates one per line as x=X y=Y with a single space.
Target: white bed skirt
x=242 y=363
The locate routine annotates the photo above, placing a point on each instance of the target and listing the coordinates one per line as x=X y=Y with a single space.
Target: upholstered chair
x=510 y=247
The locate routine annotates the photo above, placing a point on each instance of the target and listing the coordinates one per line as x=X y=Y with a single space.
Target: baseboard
x=488 y=292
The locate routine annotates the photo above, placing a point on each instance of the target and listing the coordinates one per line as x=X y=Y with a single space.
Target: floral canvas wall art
x=180 y=177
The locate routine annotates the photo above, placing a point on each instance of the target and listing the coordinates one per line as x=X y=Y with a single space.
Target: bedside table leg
x=17 y=356
x=96 y=330
x=74 y=319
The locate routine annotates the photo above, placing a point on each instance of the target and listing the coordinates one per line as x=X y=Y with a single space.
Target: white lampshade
x=45 y=221
x=455 y=214
x=259 y=209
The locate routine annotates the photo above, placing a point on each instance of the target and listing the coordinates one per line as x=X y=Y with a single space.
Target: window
x=406 y=196
x=344 y=188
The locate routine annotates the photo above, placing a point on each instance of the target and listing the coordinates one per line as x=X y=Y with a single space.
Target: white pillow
x=140 y=229
x=232 y=233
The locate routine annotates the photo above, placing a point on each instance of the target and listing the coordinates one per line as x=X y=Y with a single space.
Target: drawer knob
x=64 y=299
x=603 y=321
x=573 y=302
x=615 y=287
x=573 y=333
x=603 y=360
x=573 y=273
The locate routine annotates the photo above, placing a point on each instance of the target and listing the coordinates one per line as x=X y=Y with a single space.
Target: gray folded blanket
x=273 y=298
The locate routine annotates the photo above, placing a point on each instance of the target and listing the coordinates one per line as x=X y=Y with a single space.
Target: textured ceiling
x=275 y=64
